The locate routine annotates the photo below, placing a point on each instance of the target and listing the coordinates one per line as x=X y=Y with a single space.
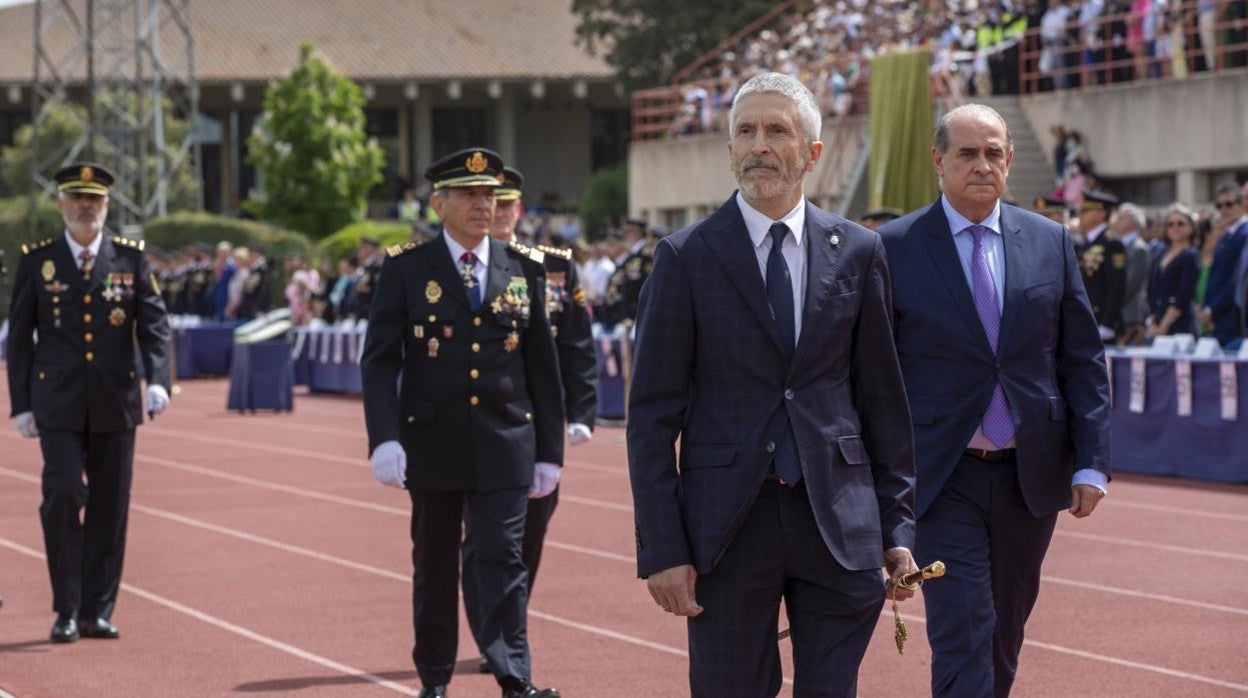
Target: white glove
x=26 y=425
x=390 y=464
x=578 y=433
x=545 y=479
x=157 y=399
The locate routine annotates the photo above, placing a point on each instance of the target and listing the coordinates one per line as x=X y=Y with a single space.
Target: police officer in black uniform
x=567 y=310
x=370 y=257
x=1103 y=261
x=476 y=423
x=93 y=300
x=632 y=268
x=1052 y=208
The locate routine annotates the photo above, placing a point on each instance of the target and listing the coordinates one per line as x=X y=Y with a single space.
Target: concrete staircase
x=1031 y=173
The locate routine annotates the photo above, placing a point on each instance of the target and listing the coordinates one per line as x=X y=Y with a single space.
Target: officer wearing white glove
x=579 y=434
x=545 y=480
x=26 y=425
x=390 y=464
x=157 y=399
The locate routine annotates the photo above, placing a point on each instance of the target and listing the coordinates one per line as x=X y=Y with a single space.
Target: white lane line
x=610 y=633
x=1116 y=661
x=1202 y=552
x=361 y=462
x=1178 y=511
x=240 y=630
x=594 y=552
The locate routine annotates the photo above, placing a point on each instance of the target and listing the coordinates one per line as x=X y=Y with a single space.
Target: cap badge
x=477 y=163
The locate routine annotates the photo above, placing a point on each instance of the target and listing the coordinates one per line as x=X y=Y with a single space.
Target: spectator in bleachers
x=223 y=271
x=1172 y=277
x=1220 y=315
x=1053 y=37
x=340 y=294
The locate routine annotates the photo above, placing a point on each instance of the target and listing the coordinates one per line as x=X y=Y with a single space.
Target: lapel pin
x=834 y=239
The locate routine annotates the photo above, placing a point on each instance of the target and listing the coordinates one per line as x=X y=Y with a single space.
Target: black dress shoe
x=99 y=628
x=520 y=688
x=65 y=629
x=433 y=692
x=483 y=666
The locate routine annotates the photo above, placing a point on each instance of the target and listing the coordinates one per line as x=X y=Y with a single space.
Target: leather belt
x=990 y=456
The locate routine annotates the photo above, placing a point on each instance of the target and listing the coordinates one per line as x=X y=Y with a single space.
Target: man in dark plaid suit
x=764 y=343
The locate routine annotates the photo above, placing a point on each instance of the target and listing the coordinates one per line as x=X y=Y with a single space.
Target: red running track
x=263 y=559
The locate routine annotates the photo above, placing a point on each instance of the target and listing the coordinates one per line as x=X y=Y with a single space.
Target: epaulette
x=561 y=253
x=27 y=249
x=533 y=254
x=396 y=250
x=127 y=242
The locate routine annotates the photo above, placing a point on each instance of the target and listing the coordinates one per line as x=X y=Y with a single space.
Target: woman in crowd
x=1172 y=279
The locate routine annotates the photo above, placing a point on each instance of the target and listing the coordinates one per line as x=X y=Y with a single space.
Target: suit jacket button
x=476 y=347
x=41 y=375
x=771 y=446
x=411 y=420
x=87 y=318
x=476 y=322
x=90 y=356
x=474 y=374
x=89 y=337
x=86 y=300
x=788 y=394
x=474 y=400
x=528 y=416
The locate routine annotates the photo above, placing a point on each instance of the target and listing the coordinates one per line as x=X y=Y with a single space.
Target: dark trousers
x=779 y=553
x=499 y=586
x=993 y=549
x=85 y=553
x=535 y=524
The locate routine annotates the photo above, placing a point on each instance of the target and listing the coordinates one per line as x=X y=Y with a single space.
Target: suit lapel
x=1013 y=292
x=446 y=272
x=822 y=261
x=945 y=257
x=730 y=242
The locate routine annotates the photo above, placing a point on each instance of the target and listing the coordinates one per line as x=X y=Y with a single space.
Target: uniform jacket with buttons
x=711 y=368
x=473 y=398
x=80 y=375
x=570 y=323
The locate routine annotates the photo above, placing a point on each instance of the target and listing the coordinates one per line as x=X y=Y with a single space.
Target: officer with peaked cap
x=475 y=427
x=1053 y=208
x=632 y=268
x=569 y=322
x=95 y=305
x=1103 y=261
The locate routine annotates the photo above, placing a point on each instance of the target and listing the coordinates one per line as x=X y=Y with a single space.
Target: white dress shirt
x=994 y=249
x=793 y=250
x=75 y=249
x=482 y=251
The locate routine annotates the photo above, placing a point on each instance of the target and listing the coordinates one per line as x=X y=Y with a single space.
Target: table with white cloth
x=327 y=358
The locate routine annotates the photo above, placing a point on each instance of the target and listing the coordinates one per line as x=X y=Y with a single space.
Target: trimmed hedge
x=17 y=227
x=345 y=242
x=181 y=229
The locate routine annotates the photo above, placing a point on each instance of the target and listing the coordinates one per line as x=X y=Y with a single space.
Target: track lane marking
x=238 y=629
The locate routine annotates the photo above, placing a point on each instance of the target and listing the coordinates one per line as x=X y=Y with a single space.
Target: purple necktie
x=998 y=425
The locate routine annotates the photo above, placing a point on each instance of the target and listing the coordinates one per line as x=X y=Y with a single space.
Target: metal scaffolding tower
x=128 y=65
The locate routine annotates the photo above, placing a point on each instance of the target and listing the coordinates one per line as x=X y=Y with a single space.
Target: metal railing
x=1113 y=48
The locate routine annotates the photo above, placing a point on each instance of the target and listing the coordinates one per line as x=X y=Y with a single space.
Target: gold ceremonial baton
x=909 y=582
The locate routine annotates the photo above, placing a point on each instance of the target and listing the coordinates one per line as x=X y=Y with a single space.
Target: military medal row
x=116 y=287
x=511 y=306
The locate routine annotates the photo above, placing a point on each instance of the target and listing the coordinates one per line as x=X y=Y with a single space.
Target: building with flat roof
x=437 y=75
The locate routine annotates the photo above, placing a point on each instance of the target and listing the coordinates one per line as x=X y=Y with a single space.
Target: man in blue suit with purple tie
x=765 y=344
x=1005 y=373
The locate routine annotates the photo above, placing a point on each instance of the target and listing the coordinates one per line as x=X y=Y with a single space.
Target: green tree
x=648 y=40
x=606 y=199
x=63 y=126
x=310 y=147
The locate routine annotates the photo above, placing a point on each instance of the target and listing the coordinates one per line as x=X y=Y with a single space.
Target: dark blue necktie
x=780 y=288
x=780 y=296
x=470 y=280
